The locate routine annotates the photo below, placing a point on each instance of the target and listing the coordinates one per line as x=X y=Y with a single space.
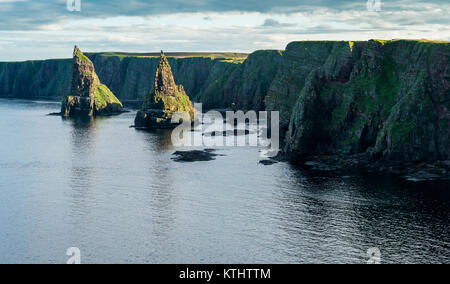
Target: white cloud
x=226 y=31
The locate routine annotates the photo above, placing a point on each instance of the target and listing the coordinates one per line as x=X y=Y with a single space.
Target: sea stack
x=88 y=97
x=164 y=100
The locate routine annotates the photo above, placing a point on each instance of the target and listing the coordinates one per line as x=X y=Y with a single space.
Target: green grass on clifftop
x=104 y=96
x=231 y=57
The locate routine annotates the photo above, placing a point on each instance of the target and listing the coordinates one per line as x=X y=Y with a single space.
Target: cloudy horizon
x=32 y=30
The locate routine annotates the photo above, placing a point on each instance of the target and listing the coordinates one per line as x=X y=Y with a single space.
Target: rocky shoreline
x=414 y=172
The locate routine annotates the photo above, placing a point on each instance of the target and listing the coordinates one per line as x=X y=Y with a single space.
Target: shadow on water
x=164 y=198
x=83 y=122
x=160 y=138
x=82 y=173
x=160 y=191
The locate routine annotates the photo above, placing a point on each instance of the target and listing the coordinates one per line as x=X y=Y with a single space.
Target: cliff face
x=35 y=79
x=299 y=59
x=243 y=86
x=130 y=79
x=87 y=95
x=387 y=99
x=165 y=99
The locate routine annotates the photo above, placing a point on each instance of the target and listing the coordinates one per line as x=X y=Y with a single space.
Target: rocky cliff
x=35 y=79
x=386 y=99
x=165 y=99
x=243 y=86
x=88 y=96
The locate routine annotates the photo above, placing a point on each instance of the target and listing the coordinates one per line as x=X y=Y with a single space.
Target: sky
x=44 y=29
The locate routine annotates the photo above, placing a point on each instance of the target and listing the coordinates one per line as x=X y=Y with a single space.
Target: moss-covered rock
x=164 y=101
x=88 y=97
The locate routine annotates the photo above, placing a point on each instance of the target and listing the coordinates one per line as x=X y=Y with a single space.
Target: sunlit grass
x=224 y=56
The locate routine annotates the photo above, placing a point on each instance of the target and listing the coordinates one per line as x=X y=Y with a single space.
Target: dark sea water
x=115 y=193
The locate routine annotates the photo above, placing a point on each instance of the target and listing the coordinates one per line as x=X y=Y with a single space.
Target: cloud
x=276 y=24
x=45 y=29
x=28 y=15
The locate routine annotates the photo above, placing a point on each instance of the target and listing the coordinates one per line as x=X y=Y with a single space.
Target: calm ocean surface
x=115 y=193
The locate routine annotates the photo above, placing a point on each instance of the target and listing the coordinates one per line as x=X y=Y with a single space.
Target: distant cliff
x=48 y=79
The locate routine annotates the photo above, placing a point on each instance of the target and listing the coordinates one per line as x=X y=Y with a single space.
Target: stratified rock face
x=35 y=79
x=242 y=86
x=165 y=99
x=88 y=97
x=385 y=99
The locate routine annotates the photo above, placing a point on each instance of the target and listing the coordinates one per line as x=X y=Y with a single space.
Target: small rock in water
x=422 y=176
x=318 y=166
x=54 y=114
x=195 y=156
x=236 y=132
x=412 y=179
x=267 y=162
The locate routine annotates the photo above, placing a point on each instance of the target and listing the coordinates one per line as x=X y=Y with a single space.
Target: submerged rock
x=267 y=162
x=236 y=132
x=164 y=101
x=88 y=97
x=195 y=156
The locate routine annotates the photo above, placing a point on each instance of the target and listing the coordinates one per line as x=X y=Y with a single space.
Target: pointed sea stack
x=164 y=100
x=88 y=97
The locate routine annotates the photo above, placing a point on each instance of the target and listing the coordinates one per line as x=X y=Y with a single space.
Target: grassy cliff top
x=328 y=45
x=231 y=57
x=383 y=41
x=228 y=56
x=413 y=40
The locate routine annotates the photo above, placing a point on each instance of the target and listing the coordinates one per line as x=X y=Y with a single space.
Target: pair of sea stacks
x=88 y=97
